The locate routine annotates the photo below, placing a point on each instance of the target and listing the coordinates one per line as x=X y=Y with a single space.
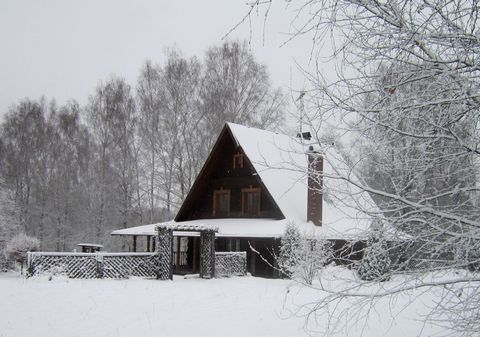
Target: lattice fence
x=124 y=266
x=230 y=264
x=93 y=265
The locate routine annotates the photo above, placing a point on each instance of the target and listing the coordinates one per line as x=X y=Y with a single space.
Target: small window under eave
x=238 y=160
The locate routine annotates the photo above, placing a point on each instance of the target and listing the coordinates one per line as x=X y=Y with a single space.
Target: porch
x=186 y=251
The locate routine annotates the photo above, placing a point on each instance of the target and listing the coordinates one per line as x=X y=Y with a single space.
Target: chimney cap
x=314 y=150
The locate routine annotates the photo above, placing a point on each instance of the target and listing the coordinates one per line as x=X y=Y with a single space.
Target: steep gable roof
x=201 y=183
x=282 y=163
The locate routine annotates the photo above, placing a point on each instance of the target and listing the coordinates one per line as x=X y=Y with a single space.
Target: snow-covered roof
x=187 y=227
x=245 y=228
x=281 y=162
x=90 y=245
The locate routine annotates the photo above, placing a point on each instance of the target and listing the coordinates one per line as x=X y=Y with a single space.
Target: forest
x=74 y=173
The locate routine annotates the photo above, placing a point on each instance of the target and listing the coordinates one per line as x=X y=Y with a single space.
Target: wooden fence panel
x=92 y=265
x=129 y=265
x=230 y=264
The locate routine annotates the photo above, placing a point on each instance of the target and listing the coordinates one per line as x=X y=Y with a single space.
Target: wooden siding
x=219 y=173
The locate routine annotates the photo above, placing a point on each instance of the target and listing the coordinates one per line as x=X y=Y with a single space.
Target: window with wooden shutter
x=221 y=203
x=251 y=201
x=238 y=161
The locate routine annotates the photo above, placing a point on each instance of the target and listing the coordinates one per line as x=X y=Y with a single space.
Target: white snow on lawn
x=240 y=306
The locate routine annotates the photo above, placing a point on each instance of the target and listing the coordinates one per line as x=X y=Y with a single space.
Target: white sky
x=62 y=49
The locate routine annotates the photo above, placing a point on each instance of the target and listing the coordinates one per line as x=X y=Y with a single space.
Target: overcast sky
x=62 y=49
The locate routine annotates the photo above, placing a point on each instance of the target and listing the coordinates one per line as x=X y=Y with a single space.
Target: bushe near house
x=253 y=183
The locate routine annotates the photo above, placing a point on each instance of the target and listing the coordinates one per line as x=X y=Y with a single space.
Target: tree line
x=74 y=173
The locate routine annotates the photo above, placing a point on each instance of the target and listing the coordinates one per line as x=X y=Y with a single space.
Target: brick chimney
x=315 y=185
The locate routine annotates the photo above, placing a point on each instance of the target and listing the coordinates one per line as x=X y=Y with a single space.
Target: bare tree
x=68 y=147
x=112 y=120
x=9 y=219
x=23 y=137
x=406 y=100
x=45 y=163
x=149 y=130
x=183 y=104
x=170 y=129
x=236 y=88
x=182 y=120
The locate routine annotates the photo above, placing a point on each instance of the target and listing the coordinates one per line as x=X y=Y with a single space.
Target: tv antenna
x=301 y=110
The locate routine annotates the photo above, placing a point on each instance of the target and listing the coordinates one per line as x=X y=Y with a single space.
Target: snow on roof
x=281 y=162
x=179 y=226
x=90 y=245
x=244 y=228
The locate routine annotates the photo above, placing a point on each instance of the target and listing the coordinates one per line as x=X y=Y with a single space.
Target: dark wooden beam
x=195 y=248
x=148 y=242
x=134 y=243
x=252 y=258
x=177 y=260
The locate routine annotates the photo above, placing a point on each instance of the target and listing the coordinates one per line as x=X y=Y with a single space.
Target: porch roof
x=247 y=228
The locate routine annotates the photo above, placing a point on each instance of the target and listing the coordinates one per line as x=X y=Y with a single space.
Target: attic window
x=238 y=160
x=221 y=202
x=251 y=201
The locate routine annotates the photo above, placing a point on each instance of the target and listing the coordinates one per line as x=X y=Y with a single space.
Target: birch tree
x=9 y=219
x=236 y=88
x=23 y=136
x=150 y=132
x=112 y=120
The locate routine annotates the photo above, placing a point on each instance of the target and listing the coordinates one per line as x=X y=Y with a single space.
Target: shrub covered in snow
x=301 y=255
x=290 y=249
x=375 y=265
x=18 y=246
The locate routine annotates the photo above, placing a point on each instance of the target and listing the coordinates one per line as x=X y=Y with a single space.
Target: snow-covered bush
x=375 y=265
x=18 y=246
x=290 y=249
x=302 y=255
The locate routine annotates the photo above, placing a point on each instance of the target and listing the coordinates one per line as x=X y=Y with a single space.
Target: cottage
x=253 y=183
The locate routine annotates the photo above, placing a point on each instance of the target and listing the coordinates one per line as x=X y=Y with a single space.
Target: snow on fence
x=230 y=264
x=93 y=265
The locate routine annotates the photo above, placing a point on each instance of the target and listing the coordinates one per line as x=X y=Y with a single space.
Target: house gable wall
x=219 y=173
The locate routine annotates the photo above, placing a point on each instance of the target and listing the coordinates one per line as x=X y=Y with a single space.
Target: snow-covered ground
x=240 y=306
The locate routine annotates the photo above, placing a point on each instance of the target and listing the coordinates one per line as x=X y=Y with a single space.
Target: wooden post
x=134 y=243
x=252 y=259
x=148 y=243
x=177 y=259
x=165 y=254
x=207 y=253
x=195 y=247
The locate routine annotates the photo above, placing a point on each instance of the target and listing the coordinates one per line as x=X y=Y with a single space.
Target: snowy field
x=231 y=307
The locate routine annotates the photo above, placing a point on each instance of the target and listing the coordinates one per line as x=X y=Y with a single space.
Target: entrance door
x=186 y=255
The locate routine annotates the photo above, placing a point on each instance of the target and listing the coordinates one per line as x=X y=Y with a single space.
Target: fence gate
x=207 y=248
